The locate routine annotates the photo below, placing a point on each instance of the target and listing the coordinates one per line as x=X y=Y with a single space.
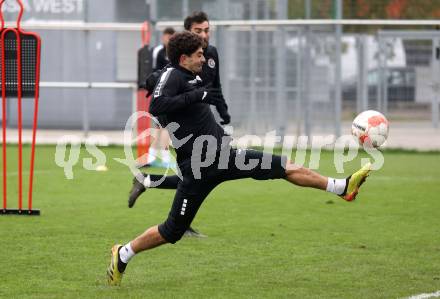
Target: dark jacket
x=160 y=59
x=211 y=75
x=179 y=95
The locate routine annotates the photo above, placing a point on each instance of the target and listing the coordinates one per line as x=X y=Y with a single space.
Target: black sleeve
x=223 y=107
x=162 y=60
x=216 y=82
x=168 y=96
x=151 y=81
x=144 y=62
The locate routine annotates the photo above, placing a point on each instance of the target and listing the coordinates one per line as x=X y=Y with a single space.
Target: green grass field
x=266 y=239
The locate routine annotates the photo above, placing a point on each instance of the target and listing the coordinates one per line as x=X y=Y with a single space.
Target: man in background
x=198 y=23
x=159 y=53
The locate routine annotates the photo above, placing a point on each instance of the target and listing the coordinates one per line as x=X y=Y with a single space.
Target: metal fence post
x=267 y=64
x=384 y=108
x=222 y=43
x=85 y=113
x=338 y=70
x=253 y=60
x=185 y=8
x=153 y=10
x=380 y=76
x=308 y=9
x=252 y=80
x=281 y=69
x=86 y=98
x=436 y=81
x=362 y=82
x=306 y=66
x=299 y=82
x=382 y=84
x=134 y=108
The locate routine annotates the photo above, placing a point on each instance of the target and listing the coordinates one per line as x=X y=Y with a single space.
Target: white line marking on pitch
x=402 y=178
x=425 y=296
x=26 y=172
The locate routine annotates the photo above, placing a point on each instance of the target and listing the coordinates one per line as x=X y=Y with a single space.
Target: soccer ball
x=370 y=128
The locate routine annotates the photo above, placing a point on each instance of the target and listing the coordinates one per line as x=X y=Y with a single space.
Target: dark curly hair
x=196 y=17
x=183 y=43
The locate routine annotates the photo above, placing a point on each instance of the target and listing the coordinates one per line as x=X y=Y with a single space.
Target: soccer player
x=160 y=144
x=198 y=138
x=197 y=23
x=159 y=53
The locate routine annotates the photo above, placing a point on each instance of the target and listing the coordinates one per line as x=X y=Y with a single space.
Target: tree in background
x=368 y=9
x=391 y=9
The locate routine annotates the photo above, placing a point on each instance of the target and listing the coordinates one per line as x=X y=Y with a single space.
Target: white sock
x=147 y=181
x=166 y=156
x=126 y=253
x=336 y=186
x=152 y=152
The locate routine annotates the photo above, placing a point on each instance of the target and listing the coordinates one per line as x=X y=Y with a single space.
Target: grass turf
x=266 y=239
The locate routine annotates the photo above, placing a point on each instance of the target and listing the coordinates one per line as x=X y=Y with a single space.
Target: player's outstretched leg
x=347 y=188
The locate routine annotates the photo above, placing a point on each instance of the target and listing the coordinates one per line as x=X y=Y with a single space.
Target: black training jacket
x=211 y=68
x=160 y=59
x=171 y=98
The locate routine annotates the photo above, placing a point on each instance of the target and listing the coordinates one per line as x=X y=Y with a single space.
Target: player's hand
x=151 y=81
x=204 y=95
x=223 y=112
x=214 y=96
x=226 y=119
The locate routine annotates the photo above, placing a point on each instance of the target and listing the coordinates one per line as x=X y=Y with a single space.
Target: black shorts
x=191 y=191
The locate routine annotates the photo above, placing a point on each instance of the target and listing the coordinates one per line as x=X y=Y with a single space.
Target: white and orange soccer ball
x=370 y=128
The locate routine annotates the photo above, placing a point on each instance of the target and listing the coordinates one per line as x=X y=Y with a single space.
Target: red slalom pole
x=4 y=131
x=3 y=71
x=34 y=126
x=20 y=124
x=143 y=103
x=143 y=123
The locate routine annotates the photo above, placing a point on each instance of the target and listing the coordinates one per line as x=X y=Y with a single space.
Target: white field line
x=403 y=178
x=26 y=172
x=425 y=296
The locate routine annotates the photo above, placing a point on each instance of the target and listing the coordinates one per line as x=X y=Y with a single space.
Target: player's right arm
x=171 y=94
x=221 y=106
